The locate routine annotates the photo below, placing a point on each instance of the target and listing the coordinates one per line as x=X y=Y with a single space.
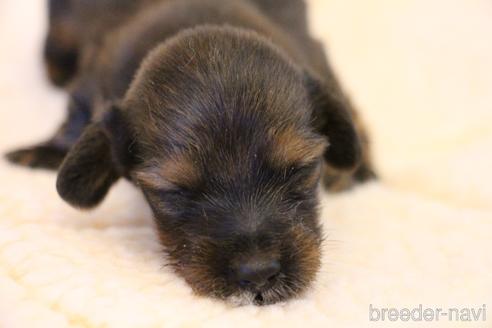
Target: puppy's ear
x=332 y=118
x=96 y=161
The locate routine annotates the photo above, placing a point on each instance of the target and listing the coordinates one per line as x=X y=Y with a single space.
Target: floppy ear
x=95 y=162
x=332 y=118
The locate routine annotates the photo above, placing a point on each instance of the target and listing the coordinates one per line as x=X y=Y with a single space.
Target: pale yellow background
x=421 y=73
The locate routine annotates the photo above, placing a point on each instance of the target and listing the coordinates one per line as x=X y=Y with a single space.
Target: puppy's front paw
x=43 y=156
x=337 y=181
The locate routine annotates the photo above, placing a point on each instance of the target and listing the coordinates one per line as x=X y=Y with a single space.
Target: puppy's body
x=224 y=127
x=79 y=25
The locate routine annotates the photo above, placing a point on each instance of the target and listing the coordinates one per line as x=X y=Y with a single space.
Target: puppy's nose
x=257 y=273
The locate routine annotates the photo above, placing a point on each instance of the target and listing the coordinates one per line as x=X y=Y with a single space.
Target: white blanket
x=421 y=73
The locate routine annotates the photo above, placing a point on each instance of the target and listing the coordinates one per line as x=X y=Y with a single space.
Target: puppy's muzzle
x=257 y=274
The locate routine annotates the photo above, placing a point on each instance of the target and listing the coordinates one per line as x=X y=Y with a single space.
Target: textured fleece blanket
x=421 y=73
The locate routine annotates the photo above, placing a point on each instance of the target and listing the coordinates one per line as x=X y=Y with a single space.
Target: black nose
x=257 y=273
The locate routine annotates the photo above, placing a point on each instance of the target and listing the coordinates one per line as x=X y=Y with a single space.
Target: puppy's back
x=128 y=45
x=289 y=14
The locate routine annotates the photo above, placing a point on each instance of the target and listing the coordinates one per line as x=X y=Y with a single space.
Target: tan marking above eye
x=290 y=146
x=176 y=171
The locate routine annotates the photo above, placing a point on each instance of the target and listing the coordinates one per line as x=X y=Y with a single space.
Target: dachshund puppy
x=226 y=115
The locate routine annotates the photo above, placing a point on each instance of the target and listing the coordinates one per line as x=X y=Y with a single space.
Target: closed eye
x=303 y=177
x=305 y=169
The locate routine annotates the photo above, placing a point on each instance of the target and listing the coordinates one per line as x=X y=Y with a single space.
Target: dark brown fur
x=226 y=114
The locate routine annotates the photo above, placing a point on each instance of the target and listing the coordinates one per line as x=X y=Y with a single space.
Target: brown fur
x=294 y=149
x=177 y=170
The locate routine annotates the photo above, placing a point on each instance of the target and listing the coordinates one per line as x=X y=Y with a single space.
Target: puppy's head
x=216 y=131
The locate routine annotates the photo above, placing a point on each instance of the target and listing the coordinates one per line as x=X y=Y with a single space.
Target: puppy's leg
x=45 y=155
x=61 y=48
x=50 y=154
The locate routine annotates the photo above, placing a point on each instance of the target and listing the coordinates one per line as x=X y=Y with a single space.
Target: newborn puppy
x=226 y=115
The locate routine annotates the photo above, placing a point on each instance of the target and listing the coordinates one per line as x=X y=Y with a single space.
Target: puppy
x=226 y=115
